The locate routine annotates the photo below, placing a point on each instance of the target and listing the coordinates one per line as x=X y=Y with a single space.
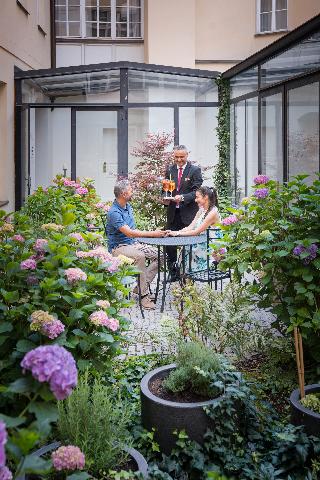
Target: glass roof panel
x=245 y=82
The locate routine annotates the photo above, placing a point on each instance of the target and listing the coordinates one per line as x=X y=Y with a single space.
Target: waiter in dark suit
x=183 y=208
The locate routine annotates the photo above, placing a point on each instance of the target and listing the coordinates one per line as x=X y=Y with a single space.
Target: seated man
x=122 y=235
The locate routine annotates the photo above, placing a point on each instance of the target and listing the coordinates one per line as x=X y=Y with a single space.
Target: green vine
x=221 y=174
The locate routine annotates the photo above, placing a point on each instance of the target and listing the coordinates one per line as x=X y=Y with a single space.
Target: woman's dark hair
x=212 y=196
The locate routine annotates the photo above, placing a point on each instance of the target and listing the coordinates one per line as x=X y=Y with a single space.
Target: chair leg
x=140 y=298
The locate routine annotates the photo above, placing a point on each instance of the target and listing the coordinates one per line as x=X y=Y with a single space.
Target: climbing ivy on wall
x=221 y=173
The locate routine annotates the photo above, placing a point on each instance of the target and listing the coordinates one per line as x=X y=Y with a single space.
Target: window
x=272 y=15
x=110 y=19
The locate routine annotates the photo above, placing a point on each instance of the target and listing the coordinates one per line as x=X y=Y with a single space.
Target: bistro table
x=165 y=242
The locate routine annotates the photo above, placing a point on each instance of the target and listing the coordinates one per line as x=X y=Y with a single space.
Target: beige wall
x=186 y=33
x=24 y=46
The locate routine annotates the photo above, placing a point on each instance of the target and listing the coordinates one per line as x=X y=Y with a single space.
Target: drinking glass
x=172 y=186
x=165 y=185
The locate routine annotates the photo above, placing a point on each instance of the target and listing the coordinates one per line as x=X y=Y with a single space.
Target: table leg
x=159 y=272
x=164 y=283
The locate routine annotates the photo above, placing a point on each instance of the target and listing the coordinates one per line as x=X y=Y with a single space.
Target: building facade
x=208 y=34
x=25 y=43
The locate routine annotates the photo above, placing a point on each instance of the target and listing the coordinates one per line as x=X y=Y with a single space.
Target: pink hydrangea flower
x=45 y=323
x=230 y=220
x=29 y=264
x=5 y=473
x=55 y=365
x=77 y=236
x=98 y=252
x=114 y=265
x=82 y=191
x=40 y=244
x=18 y=238
x=103 y=303
x=75 y=275
x=102 y=206
x=101 y=319
x=32 y=280
x=261 y=179
x=68 y=458
x=3 y=441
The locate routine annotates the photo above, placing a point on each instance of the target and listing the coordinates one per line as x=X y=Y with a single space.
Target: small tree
x=148 y=175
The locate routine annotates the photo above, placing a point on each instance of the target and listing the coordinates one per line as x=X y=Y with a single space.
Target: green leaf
x=282 y=253
x=79 y=333
x=21 y=385
x=307 y=277
x=79 y=476
x=75 y=314
x=10 y=297
x=12 y=422
x=83 y=364
x=44 y=411
x=6 y=327
x=25 y=346
x=34 y=464
x=25 y=439
x=68 y=218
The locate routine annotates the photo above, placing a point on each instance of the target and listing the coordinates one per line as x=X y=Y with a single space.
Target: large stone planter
x=303 y=416
x=167 y=416
x=142 y=466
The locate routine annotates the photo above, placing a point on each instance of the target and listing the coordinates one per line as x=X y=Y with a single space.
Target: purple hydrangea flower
x=5 y=473
x=32 y=280
x=3 y=441
x=40 y=245
x=68 y=458
x=230 y=220
x=312 y=252
x=261 y=179
x=261 y=193
x=52 y=329
x=29 y=264
x=53 y=364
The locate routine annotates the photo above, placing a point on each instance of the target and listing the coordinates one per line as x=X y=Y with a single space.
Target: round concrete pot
x=166 y=416
x=301 y=415
x=142 y=466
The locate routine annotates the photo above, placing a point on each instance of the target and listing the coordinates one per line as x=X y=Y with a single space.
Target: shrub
x=194 y=363
x=94 y=420
x=311 y=401
x=274 y=236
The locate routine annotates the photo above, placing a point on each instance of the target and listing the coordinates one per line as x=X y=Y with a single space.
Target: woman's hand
x=172 y=233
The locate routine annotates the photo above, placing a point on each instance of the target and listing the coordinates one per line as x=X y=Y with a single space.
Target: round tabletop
x=174 y=241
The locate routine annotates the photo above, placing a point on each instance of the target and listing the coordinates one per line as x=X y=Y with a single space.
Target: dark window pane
x=105 y=3
x=91 y=29
x=61 y=14
x=265 y=22
x=74 y=29
x=281 y=20
x=61 y=29
x=91 y=14
x=266 y=6
x=104 y=29
x=121 y=29
x=105 y=14
x=135 y=3
x=73 y=3
x=91 y=3
x=135 y=15
x=122 y=3
x=135 y=30
x=74 y=14
x=60 y=2
x=281 y=4
x=121 y=14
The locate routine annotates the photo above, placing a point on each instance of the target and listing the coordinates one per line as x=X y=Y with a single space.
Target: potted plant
x=173 y=397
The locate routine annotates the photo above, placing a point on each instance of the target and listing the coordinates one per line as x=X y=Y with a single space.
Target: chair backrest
x=218 y=234
x=104 y=221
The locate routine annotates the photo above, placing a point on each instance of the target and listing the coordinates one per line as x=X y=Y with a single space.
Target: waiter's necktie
x=179 y=178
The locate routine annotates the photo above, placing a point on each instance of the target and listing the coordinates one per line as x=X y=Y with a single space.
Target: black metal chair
x=137 y=275
x=211 y=274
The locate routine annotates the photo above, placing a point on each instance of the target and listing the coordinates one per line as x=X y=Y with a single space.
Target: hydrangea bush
x=275 y=236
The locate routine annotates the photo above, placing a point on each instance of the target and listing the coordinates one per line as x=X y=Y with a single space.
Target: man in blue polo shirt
x=122 y=239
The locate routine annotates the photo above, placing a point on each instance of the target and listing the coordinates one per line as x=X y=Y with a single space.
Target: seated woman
x=207 y=216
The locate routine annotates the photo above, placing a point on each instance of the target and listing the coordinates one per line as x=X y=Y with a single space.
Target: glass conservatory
x=84 y=121
x=274 y=111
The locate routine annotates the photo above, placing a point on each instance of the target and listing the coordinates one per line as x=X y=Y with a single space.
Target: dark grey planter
x=301 y=415
x=142 y=466
x=166 y=416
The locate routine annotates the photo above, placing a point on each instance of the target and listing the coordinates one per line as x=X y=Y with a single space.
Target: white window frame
x=113 y=24
x=273 y=18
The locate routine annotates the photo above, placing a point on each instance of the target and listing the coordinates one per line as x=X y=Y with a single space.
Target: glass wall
x=303 y=129
x=240 y=149
x=251 y=141
x=271 y=137
x=196 y=130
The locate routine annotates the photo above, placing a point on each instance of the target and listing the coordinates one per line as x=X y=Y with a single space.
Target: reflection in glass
x=104 y=29
x=142 y=121
x=303 y=130
x=197 y=130
x=245 y=82
x=97 y=149
x=91 y=29
x=121 y=29
x=135 y=30
x=301 y=58
x=232 y=149
x=121 y=14
x=251 y=141
x=240 y=154
x=271 y=137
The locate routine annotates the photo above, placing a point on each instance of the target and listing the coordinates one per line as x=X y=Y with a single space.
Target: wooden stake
x=296 y=344
x=301 y=363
